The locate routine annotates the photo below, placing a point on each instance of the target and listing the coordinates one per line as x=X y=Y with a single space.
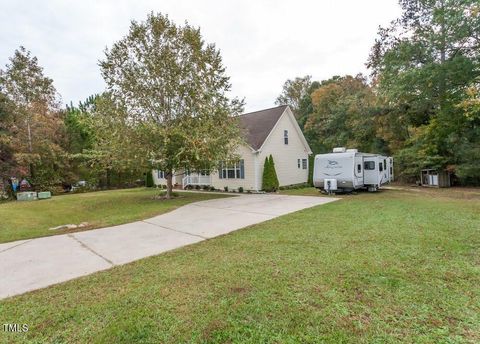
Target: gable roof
x=258 y=125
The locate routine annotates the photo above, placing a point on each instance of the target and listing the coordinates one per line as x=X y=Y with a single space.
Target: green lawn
x=388 y=267
x=25 y=220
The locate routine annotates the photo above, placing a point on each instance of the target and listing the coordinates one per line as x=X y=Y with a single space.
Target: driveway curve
x=28 y=265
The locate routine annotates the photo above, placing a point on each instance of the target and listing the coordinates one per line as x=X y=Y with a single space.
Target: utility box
x=44 y=195
x=26 y=196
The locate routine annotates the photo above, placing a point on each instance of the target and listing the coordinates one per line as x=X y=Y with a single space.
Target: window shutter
x=242 y=169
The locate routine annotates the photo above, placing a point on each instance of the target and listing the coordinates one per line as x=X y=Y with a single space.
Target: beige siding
x=249 y=182
x=177 y=178
x=156 y=180
x=285 y=156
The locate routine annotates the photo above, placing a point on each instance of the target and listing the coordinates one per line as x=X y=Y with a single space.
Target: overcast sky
x=263 y=42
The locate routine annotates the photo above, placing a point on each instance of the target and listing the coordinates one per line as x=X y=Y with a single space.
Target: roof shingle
x=257 y=125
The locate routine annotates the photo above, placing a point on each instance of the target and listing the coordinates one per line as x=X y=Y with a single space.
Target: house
x=272 y=131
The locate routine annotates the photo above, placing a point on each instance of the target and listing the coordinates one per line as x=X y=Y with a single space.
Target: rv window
x=304 y=164
x=285 y=137
x=380 y=167
x=369 y=165
x=359 y=168
x=385 y=163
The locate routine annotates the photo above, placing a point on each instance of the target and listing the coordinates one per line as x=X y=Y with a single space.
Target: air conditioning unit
x=339 y=150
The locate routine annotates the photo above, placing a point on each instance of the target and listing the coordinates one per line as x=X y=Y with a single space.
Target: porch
x=196 y=179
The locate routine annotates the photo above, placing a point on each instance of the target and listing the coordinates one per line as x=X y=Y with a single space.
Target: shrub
x=163 y=193
x=311 y=163
x=197 y=187
x=270 y=179
x=225 y=188
x=149 y=179
x=240 y=189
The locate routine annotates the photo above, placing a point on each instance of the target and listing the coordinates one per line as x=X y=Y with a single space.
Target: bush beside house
x=270 y=180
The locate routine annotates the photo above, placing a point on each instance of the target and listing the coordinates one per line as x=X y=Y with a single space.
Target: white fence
x=195 y=180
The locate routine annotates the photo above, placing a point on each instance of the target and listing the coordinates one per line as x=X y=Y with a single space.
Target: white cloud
x=262 y=42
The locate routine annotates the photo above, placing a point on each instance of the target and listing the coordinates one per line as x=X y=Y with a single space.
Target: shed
x=435 y=178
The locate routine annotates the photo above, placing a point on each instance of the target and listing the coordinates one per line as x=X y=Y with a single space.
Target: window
x=369 y=165
x=359 y=168
x=304 y=164
x=160 y=174
x=232 y=171
x=285 y=137
x=298 y=163
x=380 y=167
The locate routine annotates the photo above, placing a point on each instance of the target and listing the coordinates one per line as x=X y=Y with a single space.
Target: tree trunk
x=30 y=149
x=169 y=177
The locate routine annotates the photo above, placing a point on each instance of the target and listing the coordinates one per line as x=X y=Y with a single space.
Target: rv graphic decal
x=332 y=164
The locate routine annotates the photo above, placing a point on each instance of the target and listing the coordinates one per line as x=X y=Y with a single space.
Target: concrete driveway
x=37 y=263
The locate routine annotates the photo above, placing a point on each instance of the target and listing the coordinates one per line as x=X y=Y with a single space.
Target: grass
x=25 y=220
x=388 y=267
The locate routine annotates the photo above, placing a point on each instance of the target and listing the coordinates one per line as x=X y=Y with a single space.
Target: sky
x=263 y=43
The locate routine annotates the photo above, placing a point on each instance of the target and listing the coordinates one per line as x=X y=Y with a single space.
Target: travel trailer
x=345 y=170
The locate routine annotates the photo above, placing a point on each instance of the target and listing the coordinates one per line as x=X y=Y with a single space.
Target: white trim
x=256 y=171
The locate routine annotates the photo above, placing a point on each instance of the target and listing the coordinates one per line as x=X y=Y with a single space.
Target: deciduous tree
x=424 y=64
x=293 y=91
x=38 y=132
x=173 y=89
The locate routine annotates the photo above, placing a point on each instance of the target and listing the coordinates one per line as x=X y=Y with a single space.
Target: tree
x=112 y=146
x=269 y=178
x=80 y=126
x=84 y=124
x=273 y=172
x=343 y=115
x=172 y=89
x=424 y=63
x=468 y=167
x=37 y=129
x=306 y=105
x=266 y=176
x=311 y=164
x=7 y=161
x=293 y=91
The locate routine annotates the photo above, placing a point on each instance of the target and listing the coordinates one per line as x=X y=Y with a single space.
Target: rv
x=345 y=170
